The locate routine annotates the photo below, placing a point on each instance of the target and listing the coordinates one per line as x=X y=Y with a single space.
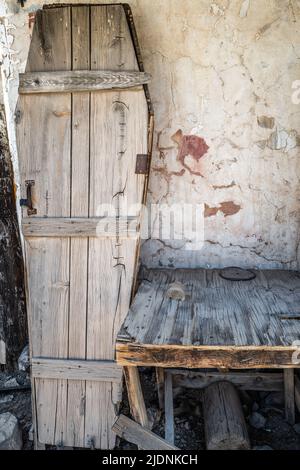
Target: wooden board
x=80 y=149
x=219 y=324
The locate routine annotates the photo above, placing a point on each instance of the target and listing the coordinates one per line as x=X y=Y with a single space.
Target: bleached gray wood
x=80 y=81
x=224 y=421
x=264 y=381
x=79 y=227
x=139 y=435
x=103 y=371
x=135 y=396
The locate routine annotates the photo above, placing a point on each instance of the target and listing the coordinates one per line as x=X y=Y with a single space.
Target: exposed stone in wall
x=224 y=72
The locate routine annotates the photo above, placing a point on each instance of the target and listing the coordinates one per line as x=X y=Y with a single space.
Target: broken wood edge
x=201 y=357
x=133 y=432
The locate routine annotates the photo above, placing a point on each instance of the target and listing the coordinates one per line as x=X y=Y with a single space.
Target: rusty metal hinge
x=142 y=164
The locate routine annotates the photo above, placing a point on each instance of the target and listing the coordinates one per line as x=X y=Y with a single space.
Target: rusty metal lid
x=234 y=273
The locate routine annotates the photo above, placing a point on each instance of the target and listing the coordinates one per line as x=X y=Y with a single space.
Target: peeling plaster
x=223 y=73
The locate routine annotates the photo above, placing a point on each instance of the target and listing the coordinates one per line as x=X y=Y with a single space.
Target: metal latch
x=28 y=202
x=142 y=164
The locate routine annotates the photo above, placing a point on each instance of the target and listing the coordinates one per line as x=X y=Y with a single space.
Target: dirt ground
x=264 y=414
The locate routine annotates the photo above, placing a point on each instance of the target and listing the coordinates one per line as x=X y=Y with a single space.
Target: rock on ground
x=10 y=432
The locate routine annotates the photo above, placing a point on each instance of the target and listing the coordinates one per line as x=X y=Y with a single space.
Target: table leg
x=160 y=382
x=289 y=395
x=169 y=411
x=135 y=396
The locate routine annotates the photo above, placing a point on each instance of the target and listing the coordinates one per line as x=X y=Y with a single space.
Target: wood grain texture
x=103 y=371
x=289 y=395
x=264 y=381
x=225 y=426
x=241 y=319
x=142 y=437
x=99 y=227
x=147 y=355
x=80 y=81
x=82 y=160
x=135 y=396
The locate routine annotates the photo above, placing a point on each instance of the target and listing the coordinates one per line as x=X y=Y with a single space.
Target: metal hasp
x=142 y=164
x=28 y=202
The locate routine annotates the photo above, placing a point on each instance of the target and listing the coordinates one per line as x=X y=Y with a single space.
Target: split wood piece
x=169 y=411
x=135 y=396
x=139 y=435
x=103 y=371
x=297 y=392
x=225 y=426
x=272 y=382
x=289 y=395
x=79 y=81
x=100 y=227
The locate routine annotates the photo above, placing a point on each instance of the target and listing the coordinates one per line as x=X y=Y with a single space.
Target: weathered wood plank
x=216 y=312
x=289 y=395
x=169 y=411
x=131 y=354
x=100 y=227
x=297 y=392
x=80 y=133
x=48 y=260
x=271 y=381
x=135 y=396
x=224 y=421
x=80 y=81
x=139 y=435
x=103 y=371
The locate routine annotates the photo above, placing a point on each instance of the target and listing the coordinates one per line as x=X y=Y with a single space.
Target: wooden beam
x=289 y=395
x=202 y=357
x=2 y=352
x=243 y=380
x=297 y=392
x=102 y=227
x=80 y=80
x=139 y=435
x=102 y=371
x=135 y=396
x=224 y=421
x=169 y=411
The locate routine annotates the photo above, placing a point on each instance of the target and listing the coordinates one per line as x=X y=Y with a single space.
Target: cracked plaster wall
x=222 y=70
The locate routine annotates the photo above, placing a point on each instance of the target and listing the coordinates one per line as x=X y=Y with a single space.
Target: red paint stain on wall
x=191 y=145
x=227 y=208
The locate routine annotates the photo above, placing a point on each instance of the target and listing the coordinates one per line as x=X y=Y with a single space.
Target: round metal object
x=237 y=274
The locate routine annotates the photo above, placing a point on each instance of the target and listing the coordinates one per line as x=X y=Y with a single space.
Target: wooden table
x=221 y=325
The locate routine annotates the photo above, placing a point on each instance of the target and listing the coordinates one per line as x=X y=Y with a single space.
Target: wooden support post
x=160 y=382
x=289 y=395
x=169 y=412
x=225 y=426
x=297 y=392
x=135 y=396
